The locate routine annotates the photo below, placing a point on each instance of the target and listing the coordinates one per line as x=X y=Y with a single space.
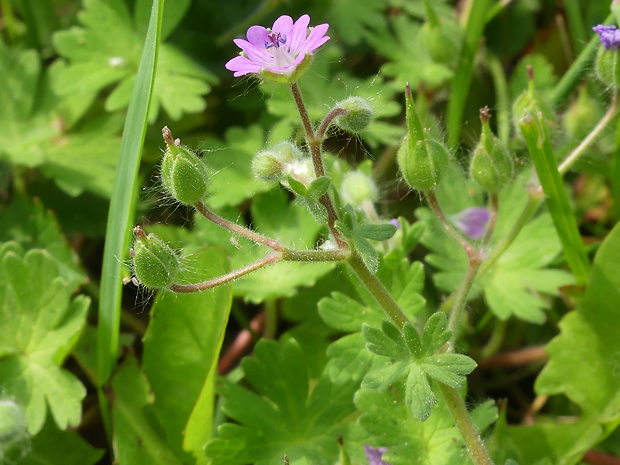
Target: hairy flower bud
x=183 y=174
x=269 y=165
x=358 y=188
x=14 y=436
x=155 y=263
x=491 y=164
x=530 y=101
x=358 y=115
x=422 y=161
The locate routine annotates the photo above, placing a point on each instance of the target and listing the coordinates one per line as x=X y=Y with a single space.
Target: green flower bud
x=491 y=164
x=155 y=263
x=358 y=115
x=269 y=165
x=183 y=174
x=441 y=38
x=530 y=101
x=358 y=188
x=422 y=161
x=302 y=170
x=582 y=115
x=14 y=436
x=608 y=66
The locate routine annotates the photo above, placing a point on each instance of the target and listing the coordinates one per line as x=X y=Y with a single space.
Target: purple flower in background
x=395 y=222
x=472 y=221
x=279 y=50
x=610 y=36
x=374 y=455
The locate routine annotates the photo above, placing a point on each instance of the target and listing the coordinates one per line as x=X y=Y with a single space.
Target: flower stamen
x=274 y=39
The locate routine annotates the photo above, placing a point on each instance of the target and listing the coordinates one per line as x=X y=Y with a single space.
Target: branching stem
x=314 y=144
x=532 y=205
x=378 y=291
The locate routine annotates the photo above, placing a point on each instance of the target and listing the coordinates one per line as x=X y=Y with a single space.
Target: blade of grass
x=573 y=76
x=562 y=214
x=122 y=205
x=462 y=76
x=501 y=97
x=575 y=23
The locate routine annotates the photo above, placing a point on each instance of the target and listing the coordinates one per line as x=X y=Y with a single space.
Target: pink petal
x=283 y=25
x=299 y=35
x=289 y=69
x=256 y=54
x=257 y=36
x=242 y=66
x=316 y=38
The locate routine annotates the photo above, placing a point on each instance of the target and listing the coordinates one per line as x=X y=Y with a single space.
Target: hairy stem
x=295 y=255
x=314 y=143
x=476 y=448
x=460 y=299
x=585 y=143
x=378 y=290
x=241 y=230
x=228 y=277
x=492 y=220
x=320 y=132
x=447 y=226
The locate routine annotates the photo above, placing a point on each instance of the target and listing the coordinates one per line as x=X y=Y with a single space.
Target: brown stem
x=228 y=277
x=245 y=232
x=240 y=344
x=595 y=457
x=514 y=358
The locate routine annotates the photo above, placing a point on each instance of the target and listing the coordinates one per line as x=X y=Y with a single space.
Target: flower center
x=274 y=39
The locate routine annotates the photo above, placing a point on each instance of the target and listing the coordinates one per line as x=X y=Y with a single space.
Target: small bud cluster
x=279 y=161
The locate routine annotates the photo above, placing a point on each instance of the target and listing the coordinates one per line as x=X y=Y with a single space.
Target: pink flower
x=472 y=221
x=279 y=52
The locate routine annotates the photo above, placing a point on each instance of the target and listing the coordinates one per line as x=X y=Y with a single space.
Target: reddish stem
x=515 y=358
x=240 y=345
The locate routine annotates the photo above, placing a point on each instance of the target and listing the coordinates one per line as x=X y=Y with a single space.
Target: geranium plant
x=392 y=244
